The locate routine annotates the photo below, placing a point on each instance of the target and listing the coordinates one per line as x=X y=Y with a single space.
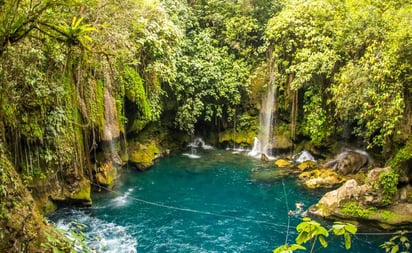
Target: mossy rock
x=402 y=162
x=22 y=227
x=240 y=137
x=144 y=155
x=283 y=163
x=138 y=125
x=282 y=142
x=82 y=194
x=106 y=175
x=306 y=165
x=321 y=179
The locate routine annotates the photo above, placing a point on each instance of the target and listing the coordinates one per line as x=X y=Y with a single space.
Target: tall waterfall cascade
x=111 y=131
x=263 y=143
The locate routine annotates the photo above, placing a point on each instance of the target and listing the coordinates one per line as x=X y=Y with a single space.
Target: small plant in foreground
x=311 y=232
x=398 y=243
x=72 y=241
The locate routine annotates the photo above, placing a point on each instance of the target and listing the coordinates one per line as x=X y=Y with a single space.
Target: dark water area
x=206 y=204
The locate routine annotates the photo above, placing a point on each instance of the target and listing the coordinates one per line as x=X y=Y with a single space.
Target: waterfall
x=111 y=130
x=266 y=119
x=263 y=144
x=256 y=148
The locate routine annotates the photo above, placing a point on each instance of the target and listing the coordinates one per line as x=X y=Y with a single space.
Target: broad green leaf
x=323 y=241
x=347 y=241
x=395 y=249
x=351 y=228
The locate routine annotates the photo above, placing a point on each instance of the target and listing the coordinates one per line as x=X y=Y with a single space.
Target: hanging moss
x=22 y=228
x=403 y=158
x=96 y=103
x=122 y=120
x=135 y=91
x=244 y=137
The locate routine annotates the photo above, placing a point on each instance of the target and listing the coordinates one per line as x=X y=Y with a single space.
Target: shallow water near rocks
x=208 y=204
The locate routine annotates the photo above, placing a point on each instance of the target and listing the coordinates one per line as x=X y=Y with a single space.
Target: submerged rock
x=307 y=165
x=283 y=163
x=267 y=176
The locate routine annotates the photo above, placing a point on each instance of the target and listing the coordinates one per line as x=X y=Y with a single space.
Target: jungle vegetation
x=342 y=71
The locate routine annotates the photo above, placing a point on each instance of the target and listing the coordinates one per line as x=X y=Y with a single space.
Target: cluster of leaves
x=210 y=81
x=310 y=231
x=388 y=183
x=75 y=240
x=397 y=243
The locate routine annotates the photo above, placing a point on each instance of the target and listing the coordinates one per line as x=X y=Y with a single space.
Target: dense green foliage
x=388 y=185
x=336 y=65
x=351 y=60
x=342 y=69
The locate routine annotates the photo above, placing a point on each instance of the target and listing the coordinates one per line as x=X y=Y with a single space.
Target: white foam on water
x=103 y=236
x=122 y=200
x=191 y=156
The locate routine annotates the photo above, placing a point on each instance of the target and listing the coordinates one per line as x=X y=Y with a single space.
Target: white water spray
x=263 y=144
x=111 y=130
x=197 y=143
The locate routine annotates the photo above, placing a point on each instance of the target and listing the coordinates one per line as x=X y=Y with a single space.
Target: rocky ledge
x=377 y=203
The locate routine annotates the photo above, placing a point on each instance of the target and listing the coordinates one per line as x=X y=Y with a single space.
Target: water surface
x=208 y=204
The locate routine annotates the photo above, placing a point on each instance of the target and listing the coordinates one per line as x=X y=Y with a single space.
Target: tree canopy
x=340 y=68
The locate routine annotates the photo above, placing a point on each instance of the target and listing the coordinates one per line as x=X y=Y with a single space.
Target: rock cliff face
x=370 y=203
x=61 y=188
x=22 y=228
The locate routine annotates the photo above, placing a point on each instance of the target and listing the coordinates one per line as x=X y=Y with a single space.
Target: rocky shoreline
x=374 y=198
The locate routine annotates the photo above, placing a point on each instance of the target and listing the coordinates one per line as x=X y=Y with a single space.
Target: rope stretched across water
x=287 y=210
x=243 y=219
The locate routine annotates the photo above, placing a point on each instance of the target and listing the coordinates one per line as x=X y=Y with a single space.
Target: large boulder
x=63 y=187
x=348 y=162
x=321 y=179
x=367 y=203
x=142 y=156
x=76 y=191
x=106 y=175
